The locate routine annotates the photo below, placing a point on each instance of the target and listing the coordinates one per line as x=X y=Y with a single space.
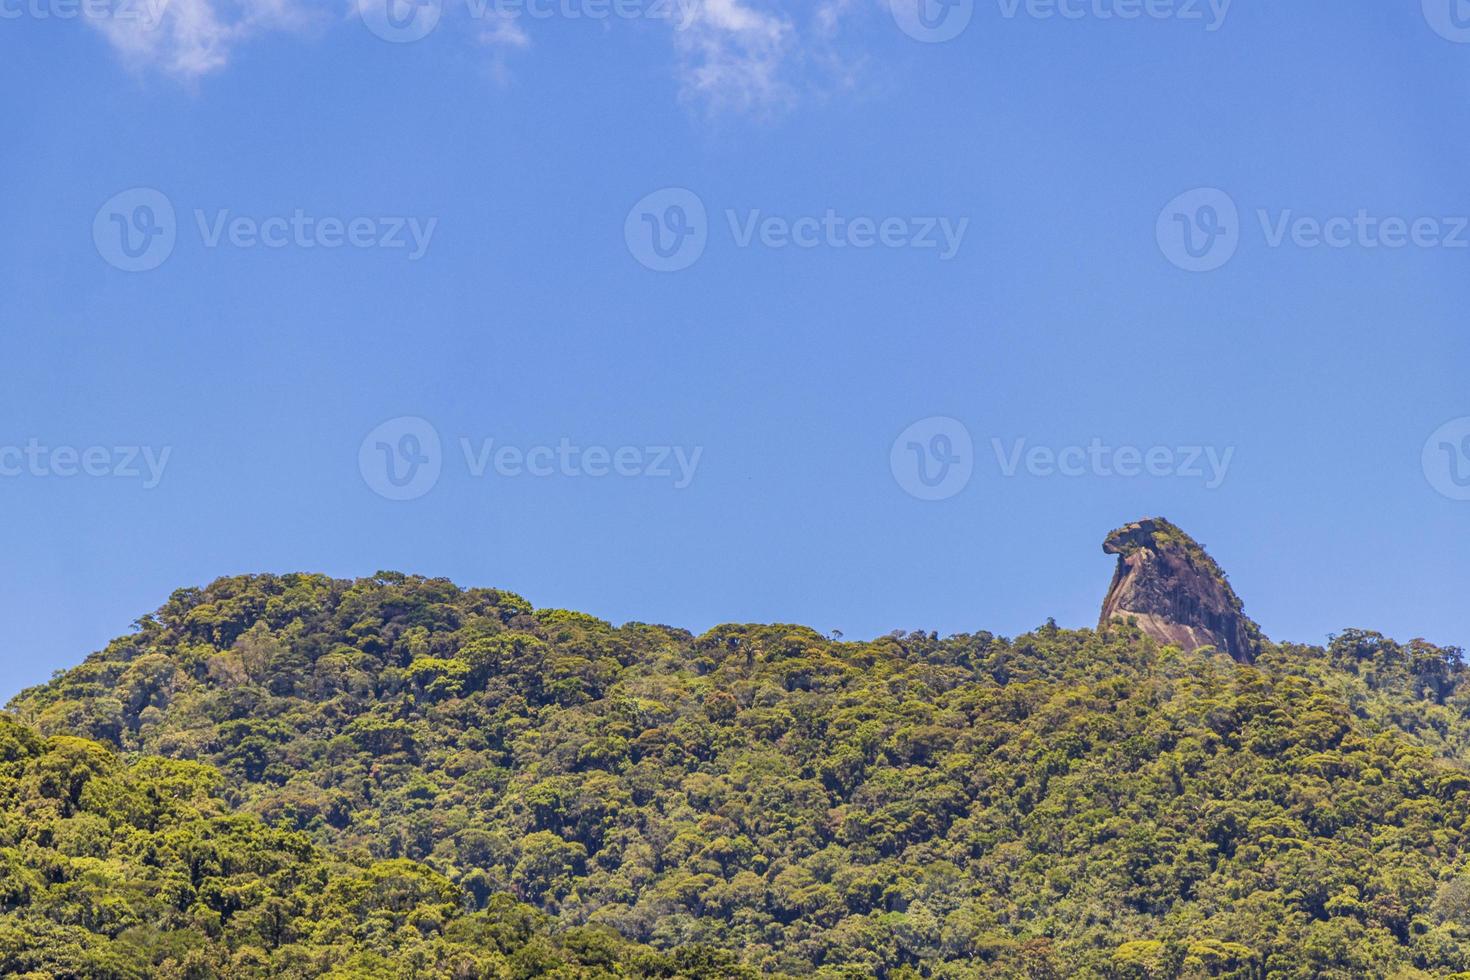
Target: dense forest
x=298 y=776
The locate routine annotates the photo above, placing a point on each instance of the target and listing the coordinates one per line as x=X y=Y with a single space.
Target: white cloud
x=192 y=37
x=732 y=55
x=740 y=55
x=503 y=30
x=830 y=15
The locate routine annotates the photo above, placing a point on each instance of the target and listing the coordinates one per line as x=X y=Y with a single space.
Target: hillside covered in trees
x=395 y=777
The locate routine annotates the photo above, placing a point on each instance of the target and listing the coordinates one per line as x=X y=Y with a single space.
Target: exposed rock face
x=1175 y=592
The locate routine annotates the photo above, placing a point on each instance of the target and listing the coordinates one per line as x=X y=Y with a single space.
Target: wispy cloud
x=730 y=55
x=503 y=30
x=831 y=14
x=736 y=56
x=190 y=38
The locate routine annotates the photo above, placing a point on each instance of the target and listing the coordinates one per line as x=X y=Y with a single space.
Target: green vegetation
x=114 y=870
x=396 y=777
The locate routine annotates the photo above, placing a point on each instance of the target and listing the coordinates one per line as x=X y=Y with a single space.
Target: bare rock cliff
x=1175 y=592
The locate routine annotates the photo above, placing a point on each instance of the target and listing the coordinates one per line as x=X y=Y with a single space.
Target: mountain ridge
x=1089 y=803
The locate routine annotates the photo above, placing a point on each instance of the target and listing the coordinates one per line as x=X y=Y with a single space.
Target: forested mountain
x=120 y=870
x=399 y=777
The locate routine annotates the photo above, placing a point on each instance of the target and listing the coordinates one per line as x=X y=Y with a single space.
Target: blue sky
x=1221 y=250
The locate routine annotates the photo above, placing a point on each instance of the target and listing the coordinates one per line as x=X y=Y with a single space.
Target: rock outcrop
x=1175 y=592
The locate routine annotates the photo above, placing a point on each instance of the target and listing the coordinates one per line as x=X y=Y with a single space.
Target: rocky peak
x=1175 y=592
